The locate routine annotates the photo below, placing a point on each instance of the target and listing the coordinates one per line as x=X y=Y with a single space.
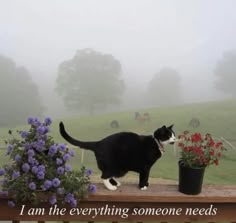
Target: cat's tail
x=84 y=145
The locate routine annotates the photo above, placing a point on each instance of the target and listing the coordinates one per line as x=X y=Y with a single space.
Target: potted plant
x=196 y=153
x=39 y=168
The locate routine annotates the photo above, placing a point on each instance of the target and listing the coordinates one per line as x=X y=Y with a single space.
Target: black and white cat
x=126 y=151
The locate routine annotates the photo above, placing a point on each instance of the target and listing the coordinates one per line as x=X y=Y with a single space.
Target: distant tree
x=90 y=80
x=164 y=88
x=225 y=71
x=19 y=97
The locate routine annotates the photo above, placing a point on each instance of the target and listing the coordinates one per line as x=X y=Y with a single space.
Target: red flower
x=216 y=162
x=218 y=144
x=196 y=137
x=198 y=150
x=207 y=161
x=212 y=143
x=186 y=149
x=212 y=152
x=190 y=148
x=202 y=159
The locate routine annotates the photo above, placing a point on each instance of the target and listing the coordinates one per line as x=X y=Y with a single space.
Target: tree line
x=92 y=80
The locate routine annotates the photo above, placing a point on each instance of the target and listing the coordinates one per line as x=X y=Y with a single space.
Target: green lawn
x=217 y=118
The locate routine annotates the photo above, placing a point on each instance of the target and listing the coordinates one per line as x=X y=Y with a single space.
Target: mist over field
x=168 y=53
x=89 y=63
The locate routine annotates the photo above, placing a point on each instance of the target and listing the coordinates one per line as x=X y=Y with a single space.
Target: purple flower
x=73 y=203
x=53 y=199
x=52 y=150
x=28 y=146
x=47 y=184
x=30 y=153
x=36 y=163
x=69 y=197
x=17 y=158
x=44 y=137
x=66 y=157
x=46 y=129
x=2 y=172
x=62 y=147
x=15 y=174
x=71 y=152
x=92 y=188
x=34 y=169
x=39 y=149
x=59 y=161
x=40 y=175
x=31 y=160
x=11 y=204
x=68 y=167
x=60 y=170
x=4 y=193
x=37 y=122
x=40 y=144
x=40 y=130
x=30 y=120
x=24 y=134
x=56 y=182
x=32 y=186
x=9 y=149
x=25 y=167
x=48 y=121
x=41 y=168
x=88 y=172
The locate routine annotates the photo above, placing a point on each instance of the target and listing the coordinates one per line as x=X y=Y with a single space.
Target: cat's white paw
x=113 y=188
x=108 y=185
x=144 y=188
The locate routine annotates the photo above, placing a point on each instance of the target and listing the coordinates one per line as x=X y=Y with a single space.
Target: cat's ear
x=163 y=127
x=171 y=126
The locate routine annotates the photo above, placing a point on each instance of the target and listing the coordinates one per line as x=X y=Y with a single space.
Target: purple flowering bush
x=40 y=164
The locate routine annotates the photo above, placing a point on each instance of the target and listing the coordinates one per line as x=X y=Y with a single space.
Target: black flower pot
x=190 y=179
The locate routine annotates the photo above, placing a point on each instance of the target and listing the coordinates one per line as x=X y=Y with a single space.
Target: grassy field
x=217 y=118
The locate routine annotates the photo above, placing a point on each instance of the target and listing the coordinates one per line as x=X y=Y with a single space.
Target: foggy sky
x=144 y=35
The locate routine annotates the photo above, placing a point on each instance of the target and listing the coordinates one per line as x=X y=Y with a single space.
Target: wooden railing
x=160 y=203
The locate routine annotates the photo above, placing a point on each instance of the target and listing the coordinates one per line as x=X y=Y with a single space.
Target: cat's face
x=165 y=135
